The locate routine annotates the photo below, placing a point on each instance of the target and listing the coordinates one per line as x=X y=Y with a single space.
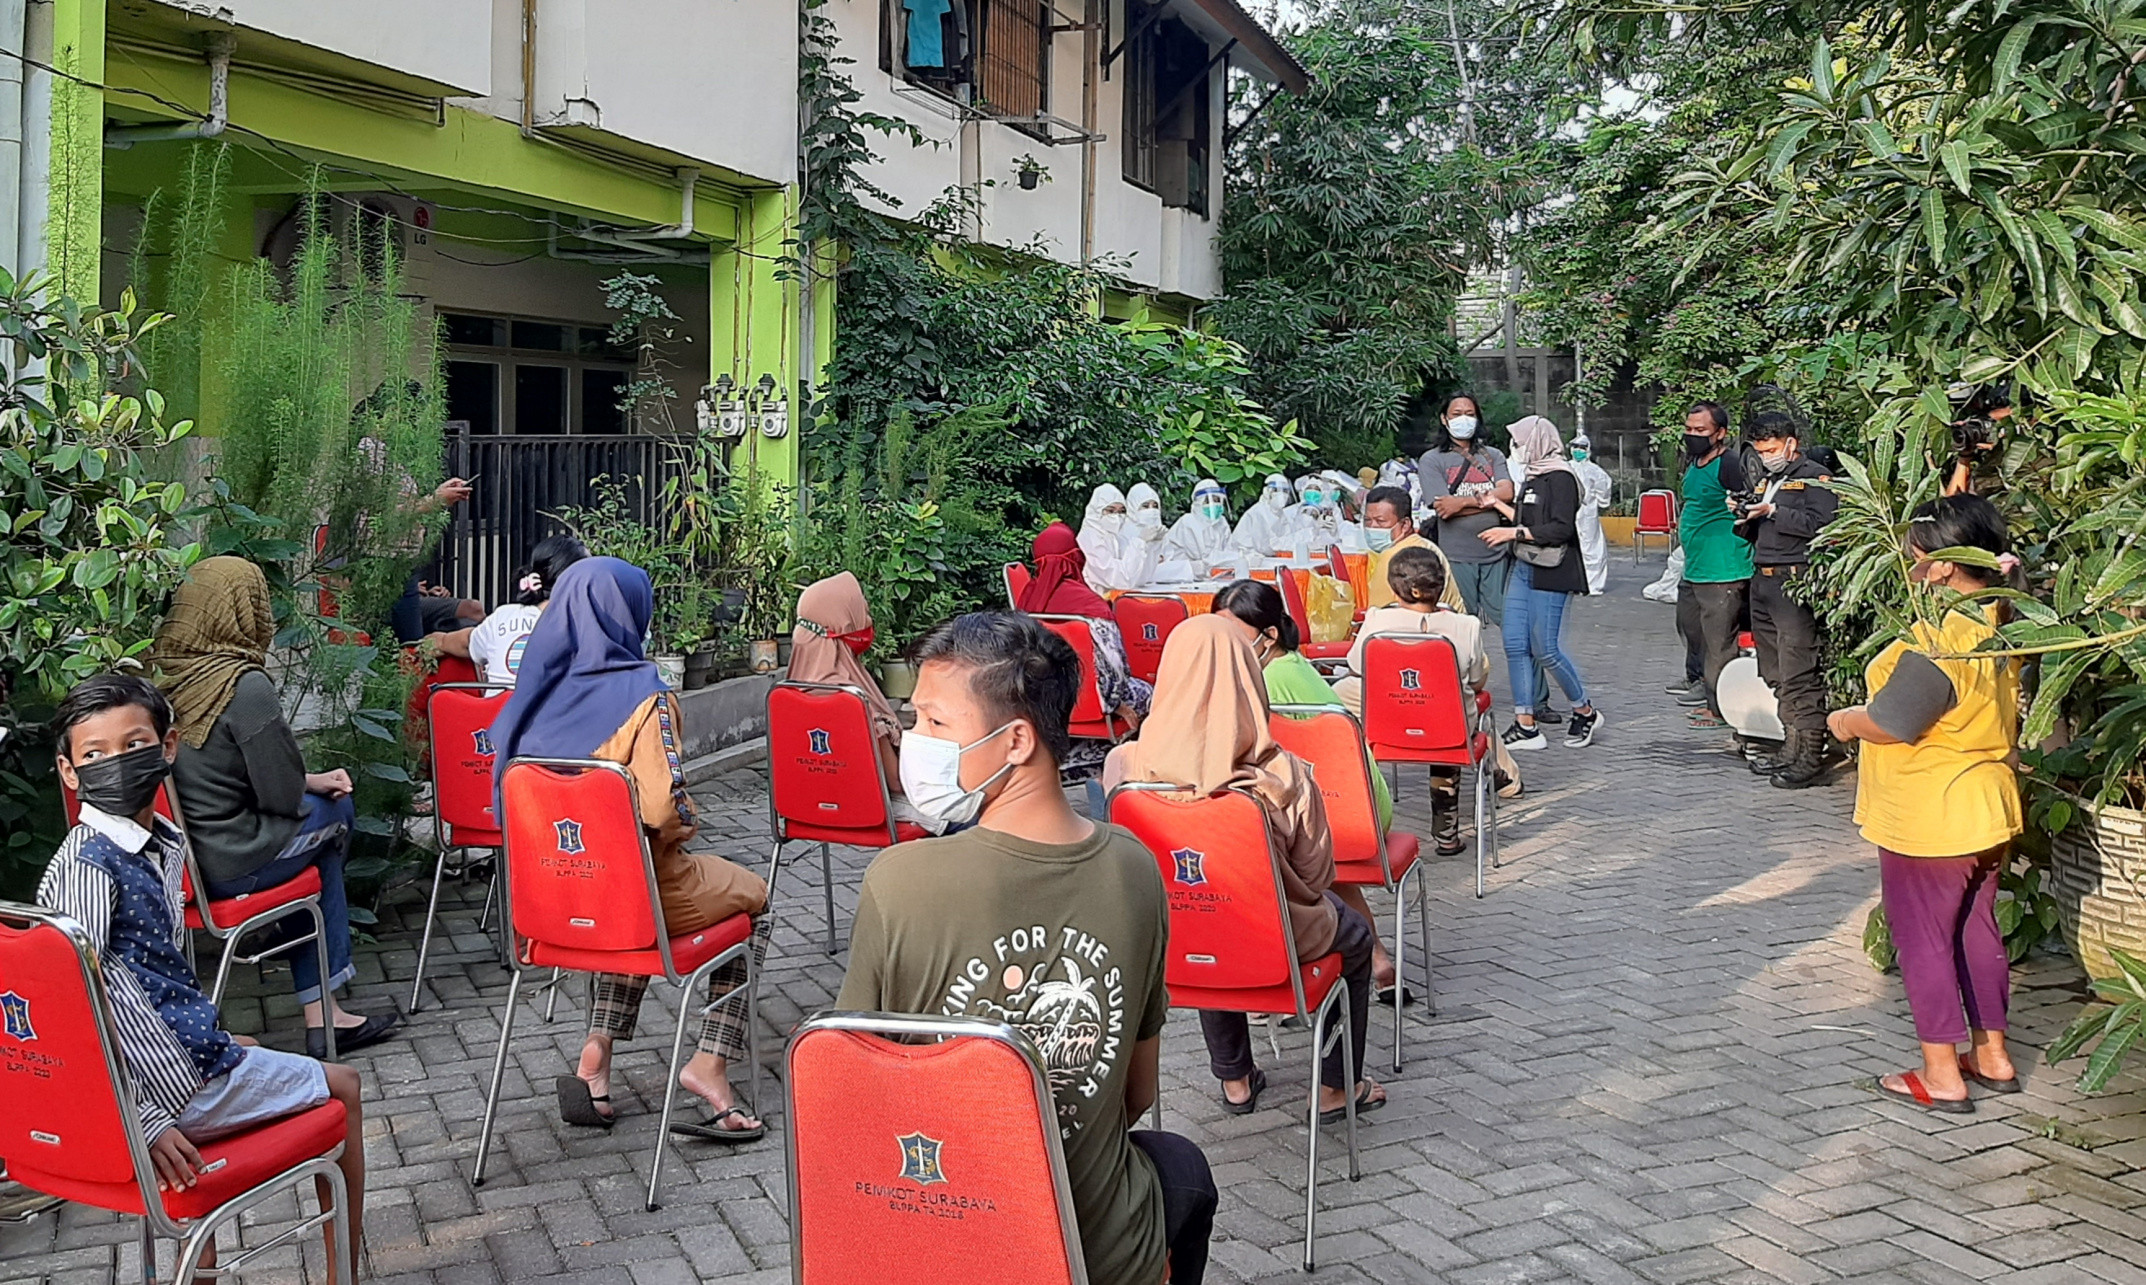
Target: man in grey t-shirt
x=1461 y=484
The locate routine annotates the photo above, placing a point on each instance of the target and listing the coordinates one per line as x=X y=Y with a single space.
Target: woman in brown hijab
x=1208 y=732
x=834 y=630
x=255 y=816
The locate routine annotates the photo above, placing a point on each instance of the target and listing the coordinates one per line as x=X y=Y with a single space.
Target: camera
x=1979 y=412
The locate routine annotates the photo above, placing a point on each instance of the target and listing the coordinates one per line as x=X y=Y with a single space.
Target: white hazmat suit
x=1118 y=558
x=1594 y=497
x=1202 y=537
x=1261 y=531
x=1143 y=510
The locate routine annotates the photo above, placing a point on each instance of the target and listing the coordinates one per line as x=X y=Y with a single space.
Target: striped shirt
x=122 y=884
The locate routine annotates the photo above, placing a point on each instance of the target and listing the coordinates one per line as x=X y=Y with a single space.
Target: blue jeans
x=1534 y=619
x=323 y=840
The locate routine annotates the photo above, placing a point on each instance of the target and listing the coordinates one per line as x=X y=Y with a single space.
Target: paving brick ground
x=1649 y=1065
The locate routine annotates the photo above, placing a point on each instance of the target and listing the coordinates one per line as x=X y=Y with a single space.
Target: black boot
x=1808 y=768
x=1445 y=818
x=1768 y=762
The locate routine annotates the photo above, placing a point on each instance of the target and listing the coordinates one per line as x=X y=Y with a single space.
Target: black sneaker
x=1547 y=717
x=1524 y=738
x=1580 y=733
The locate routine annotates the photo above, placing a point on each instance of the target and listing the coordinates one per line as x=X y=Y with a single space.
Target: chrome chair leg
x=327 y=997
x=1423 y=925
x=424 y=945
x=499 y=1072
x=827 y=885
x=1400 y=959
x=551 y=1000
x=670 y=1088
x=148 y=1239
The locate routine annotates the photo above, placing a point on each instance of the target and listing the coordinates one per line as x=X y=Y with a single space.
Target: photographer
x=1791 y=505
x=1985 y=412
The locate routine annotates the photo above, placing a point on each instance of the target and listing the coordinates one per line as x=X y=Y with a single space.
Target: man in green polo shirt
x=1717 y=562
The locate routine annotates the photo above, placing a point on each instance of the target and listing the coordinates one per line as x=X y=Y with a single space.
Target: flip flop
x=1365 y=1105
x=578 y=1106
x=2010 y=1086
x=1250 y=1104
x=1918 y=1094
x=712 y=1130
x=1384 y=995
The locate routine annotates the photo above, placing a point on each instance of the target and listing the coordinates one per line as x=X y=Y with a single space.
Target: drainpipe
x=14 y=14
x=1090 y=52
x=34 y=185
x=529 y=61
x=637 y=241
x=220 y=46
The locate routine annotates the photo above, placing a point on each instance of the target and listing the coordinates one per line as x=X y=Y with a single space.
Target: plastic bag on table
x=1331 y=604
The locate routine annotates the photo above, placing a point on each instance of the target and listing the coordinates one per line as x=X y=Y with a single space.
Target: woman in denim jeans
x=1547 y=570
x=256 y=818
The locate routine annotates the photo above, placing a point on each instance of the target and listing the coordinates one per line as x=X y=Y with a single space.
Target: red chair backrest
x=1657 y=511
x=1227 y=925
x=1088 y=705
x=1412 y=695
x=59 y=1074
x=1146 y=621
x=823 y=764
x=462 y=757
x=1017 y=578
x=1285 y=579
x=578 y=870
x=1334 y=746
x=924 y=1163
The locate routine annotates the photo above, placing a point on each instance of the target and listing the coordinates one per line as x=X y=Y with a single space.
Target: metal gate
x=520 y=482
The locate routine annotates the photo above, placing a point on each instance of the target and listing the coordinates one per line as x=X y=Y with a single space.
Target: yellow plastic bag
x=1332 y=604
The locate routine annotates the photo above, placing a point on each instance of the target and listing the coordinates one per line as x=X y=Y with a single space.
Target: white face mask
x=1517 y=459
x=1147 y=515
x=1275 y=499
x=931 y=776
x=1462 y=427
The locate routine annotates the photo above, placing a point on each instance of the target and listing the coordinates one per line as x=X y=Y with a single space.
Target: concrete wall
x=445 y=41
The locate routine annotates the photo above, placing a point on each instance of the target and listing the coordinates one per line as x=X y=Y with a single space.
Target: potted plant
x=756 y=557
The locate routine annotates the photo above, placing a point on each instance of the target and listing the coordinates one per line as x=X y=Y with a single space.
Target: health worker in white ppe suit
x=1118 y=558
x=1143 y=510
x=1261 y=530
x=1594 y=498
x=1203 y=537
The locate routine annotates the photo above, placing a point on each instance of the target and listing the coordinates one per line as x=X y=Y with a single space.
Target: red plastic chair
x=1328 y=654
x=1145 y=621
x=72 y=1129
x=1092 y=720
x=460 y=716
x=1657 y=516
x=1416 y=711
x=892 y=1117
x=826 y=784
x=1343 y=567
x=1231 y=945
x=1332 y=741
x=1017 y=578
x=582 y=896
x=229 y=919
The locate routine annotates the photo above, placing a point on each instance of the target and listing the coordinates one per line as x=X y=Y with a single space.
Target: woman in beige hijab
x=834 y=630
x=1207 y=731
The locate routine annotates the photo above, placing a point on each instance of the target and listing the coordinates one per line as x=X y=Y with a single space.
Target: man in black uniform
x=1792 y=503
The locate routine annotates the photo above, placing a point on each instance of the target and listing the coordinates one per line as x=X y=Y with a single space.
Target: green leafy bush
x=90 y=547
x=2113 y=1029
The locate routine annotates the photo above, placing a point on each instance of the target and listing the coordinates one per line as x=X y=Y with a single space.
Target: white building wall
x=444 y=41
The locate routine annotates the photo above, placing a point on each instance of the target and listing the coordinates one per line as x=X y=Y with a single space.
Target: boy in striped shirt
x=118 y=874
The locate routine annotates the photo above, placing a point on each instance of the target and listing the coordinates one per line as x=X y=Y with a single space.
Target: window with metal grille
x=994 y=54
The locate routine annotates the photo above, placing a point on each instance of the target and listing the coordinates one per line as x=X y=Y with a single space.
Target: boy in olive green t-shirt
x=1044 y=920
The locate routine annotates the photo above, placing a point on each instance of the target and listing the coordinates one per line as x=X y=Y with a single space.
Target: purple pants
x=1943 y=912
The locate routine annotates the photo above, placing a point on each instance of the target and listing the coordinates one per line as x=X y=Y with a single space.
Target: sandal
x=713 y=1131
x=578 y=1106
x=1994 y=1085
x=1250 y=1104
x=1918 y=1094
x=1365 y=1105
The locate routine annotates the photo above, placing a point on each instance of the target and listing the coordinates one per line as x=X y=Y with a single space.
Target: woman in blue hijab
x=586 y=691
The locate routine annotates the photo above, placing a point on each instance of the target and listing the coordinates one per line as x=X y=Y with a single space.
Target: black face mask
x=1698 y=445
x=123 y=784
